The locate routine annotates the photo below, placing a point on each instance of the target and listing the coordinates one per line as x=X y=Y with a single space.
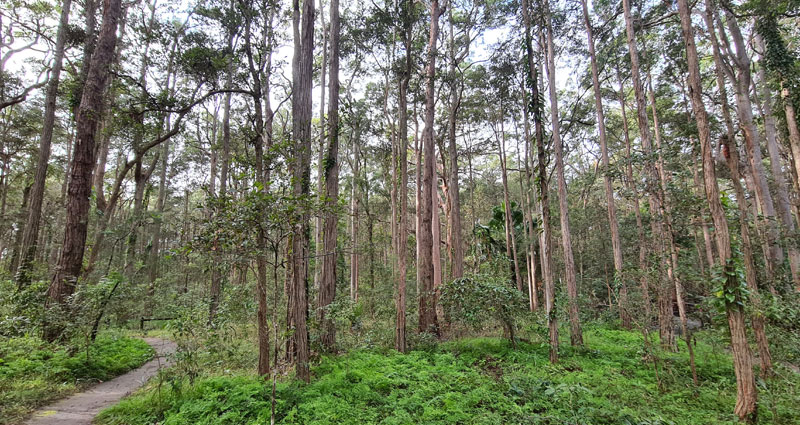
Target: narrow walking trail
x=81 y=408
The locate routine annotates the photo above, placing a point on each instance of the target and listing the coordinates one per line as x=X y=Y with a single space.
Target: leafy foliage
x=474 y=381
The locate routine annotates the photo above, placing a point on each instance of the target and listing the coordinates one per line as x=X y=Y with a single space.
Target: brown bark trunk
x=70 y=261
x=302 y=67
x=327 y=286
x=318 y=222
x=742 y=358
x=616 y=244
x=31 y=230
x=643 y=279
x=427 y=302
x=742 y=81
x=400 y=343
x=453 y=196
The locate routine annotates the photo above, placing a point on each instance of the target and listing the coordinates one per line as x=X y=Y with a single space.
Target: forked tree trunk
x=742 y=359
x=427 y=301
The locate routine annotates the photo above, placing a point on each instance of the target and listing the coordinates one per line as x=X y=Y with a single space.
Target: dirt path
x=81 y=408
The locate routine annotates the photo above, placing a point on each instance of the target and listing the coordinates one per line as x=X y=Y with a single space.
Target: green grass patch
x=477 y=381
x=33 y=372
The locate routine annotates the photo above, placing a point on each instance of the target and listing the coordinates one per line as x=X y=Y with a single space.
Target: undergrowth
x=477 y=381
x=33 y=372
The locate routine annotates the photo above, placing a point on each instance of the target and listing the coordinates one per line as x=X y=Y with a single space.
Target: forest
x=400 y=211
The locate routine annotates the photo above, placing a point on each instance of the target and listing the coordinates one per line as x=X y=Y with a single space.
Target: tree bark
x=427 y=301
x=302 y=67
x=616 y=244
x=31 y=231
x=400 y=343
x=747 y=392
x=742 y=80
x=576 y=335
x=545 y=241
x=70 y=261
x=327 y=287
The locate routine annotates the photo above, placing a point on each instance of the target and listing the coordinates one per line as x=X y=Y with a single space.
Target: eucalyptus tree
x=70 y=262
x=747 y=391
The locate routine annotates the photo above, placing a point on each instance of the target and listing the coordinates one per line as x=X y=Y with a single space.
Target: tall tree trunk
x=216 y=274
x=742 y=82
x=453 y=196
x=318 y=227
x=545 y=241
x=427 y=302
x=742 y=359
x=616 y=244
x=31 y=230
x=263 y=137
x=643 y=278
x=302 y=67
x=400 y=343
x=68 y=269
x=511 y=246
x=665 y=310
x=327 y=287
x=354 y=201
x=575 y=335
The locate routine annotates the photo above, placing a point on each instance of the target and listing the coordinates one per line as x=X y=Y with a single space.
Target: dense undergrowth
x=477 y=381
x=33 y=372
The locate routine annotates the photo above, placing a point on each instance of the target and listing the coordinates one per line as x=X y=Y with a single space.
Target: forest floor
x=82 y=407
x=615 y=379
x=34 y=373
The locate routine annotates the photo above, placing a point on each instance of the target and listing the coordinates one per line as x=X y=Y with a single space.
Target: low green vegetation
x=477 y=381
x=33 y=372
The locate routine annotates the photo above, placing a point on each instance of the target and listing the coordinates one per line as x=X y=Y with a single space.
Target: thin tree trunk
x=616 y=244
x=576 y=335
x=643 y=279
x=354 y=201
x=31 y=230
x=327 y=287
x=400 y=343
x=545 y=241
x=321 y=169
x=665 y=305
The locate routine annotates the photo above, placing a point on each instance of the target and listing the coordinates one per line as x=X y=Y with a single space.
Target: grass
x=33 y=372
x=477 y=381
